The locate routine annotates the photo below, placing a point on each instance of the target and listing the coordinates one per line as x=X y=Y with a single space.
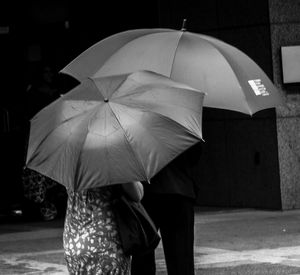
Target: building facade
x=251 y=162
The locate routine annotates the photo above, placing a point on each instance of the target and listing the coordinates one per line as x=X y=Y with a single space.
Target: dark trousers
x=174 y=217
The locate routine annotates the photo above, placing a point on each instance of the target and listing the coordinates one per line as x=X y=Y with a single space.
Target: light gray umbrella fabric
x=114 y=129
x=231 y=79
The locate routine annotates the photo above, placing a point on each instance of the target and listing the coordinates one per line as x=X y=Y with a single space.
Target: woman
x=91 y=239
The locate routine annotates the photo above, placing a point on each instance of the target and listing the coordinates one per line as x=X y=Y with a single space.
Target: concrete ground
x=226 y=242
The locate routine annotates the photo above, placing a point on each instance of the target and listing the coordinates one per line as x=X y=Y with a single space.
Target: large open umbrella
x=230 y=78
x=114 y=129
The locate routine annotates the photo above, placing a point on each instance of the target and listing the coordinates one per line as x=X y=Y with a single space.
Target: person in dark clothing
x=169 y=200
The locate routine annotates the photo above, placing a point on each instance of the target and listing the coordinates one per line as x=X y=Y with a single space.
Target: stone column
x=285 y=31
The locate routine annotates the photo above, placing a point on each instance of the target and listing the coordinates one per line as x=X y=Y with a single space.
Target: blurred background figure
x=44 y=198
x=42 y=90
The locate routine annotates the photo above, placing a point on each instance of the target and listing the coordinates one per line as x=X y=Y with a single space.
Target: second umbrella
x=114 y=130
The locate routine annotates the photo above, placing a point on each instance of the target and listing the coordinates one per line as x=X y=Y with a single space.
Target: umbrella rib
x=174 y=122
x=175 y=52
x=64 y=142
x=127 y=139
x=76 y=174
x=165 y=104
x=161 y=115
x=34 y=154
x=63 y=122
x=137 y=92
x=168 y=119
x=234 y=73
x=80 y=151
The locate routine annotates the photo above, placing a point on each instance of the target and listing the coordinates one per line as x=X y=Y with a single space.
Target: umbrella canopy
x=114 y=130
x=231 y=79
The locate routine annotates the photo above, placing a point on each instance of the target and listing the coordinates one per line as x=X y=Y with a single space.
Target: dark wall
x=239 y=165
x=50 y=32
x=239 y=162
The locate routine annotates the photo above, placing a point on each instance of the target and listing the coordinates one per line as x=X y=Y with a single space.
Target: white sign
x=258 y=87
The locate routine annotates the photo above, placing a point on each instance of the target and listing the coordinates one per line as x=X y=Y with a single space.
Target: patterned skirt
x=91 y=239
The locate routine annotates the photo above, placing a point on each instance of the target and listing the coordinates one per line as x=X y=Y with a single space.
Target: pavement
x=234 y=241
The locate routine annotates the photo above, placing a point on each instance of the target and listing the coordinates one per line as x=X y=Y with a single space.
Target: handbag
x=137 y=231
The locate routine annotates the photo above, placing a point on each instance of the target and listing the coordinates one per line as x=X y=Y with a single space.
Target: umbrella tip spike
x=183 y=28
